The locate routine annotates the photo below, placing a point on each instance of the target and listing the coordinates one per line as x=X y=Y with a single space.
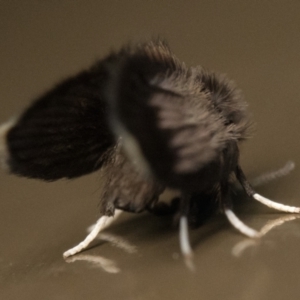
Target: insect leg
x=273 y=175
x=184 y=237
x=184 y=241
x=251 y=193
x=239 y=225
x=102 y=223
x=231 y=216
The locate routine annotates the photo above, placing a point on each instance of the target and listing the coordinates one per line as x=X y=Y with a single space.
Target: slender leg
x=239 y=248
x=185 y=246
x=251 y=193
x=101 y=224
x=231 y=216
x=273 y=175
x=239 y=225
x=184 y=241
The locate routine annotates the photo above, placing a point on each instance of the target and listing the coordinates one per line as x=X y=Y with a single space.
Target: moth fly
x=151 y=123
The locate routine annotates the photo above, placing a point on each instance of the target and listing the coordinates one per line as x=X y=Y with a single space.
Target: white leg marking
x=276 y=205
x=239 y=225
x=101 y=224
x=184 y=241
x=184 y=237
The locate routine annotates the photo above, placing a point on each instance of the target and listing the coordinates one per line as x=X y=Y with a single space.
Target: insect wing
x=64 y=133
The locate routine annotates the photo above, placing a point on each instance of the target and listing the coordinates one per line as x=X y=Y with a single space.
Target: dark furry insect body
x=149 y=121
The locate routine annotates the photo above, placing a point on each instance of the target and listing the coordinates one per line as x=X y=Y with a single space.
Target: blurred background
x=257 y=44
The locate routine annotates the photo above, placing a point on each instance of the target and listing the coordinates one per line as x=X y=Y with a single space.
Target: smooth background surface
x=255 y=43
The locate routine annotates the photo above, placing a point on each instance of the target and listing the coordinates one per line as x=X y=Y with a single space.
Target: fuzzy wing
x=64 y=133
x=165 y=118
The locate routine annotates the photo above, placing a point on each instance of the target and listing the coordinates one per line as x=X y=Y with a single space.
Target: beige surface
x=256 y=43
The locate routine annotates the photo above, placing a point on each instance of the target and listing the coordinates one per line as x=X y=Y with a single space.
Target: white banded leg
x=251 y=192
x=239 y=225
x=241 y=246
x=101 y=224
x=276 y=205
x=248 y=231
x=185 y=245
x=184 y=241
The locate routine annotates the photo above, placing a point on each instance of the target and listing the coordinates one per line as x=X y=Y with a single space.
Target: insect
x=151 y=123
